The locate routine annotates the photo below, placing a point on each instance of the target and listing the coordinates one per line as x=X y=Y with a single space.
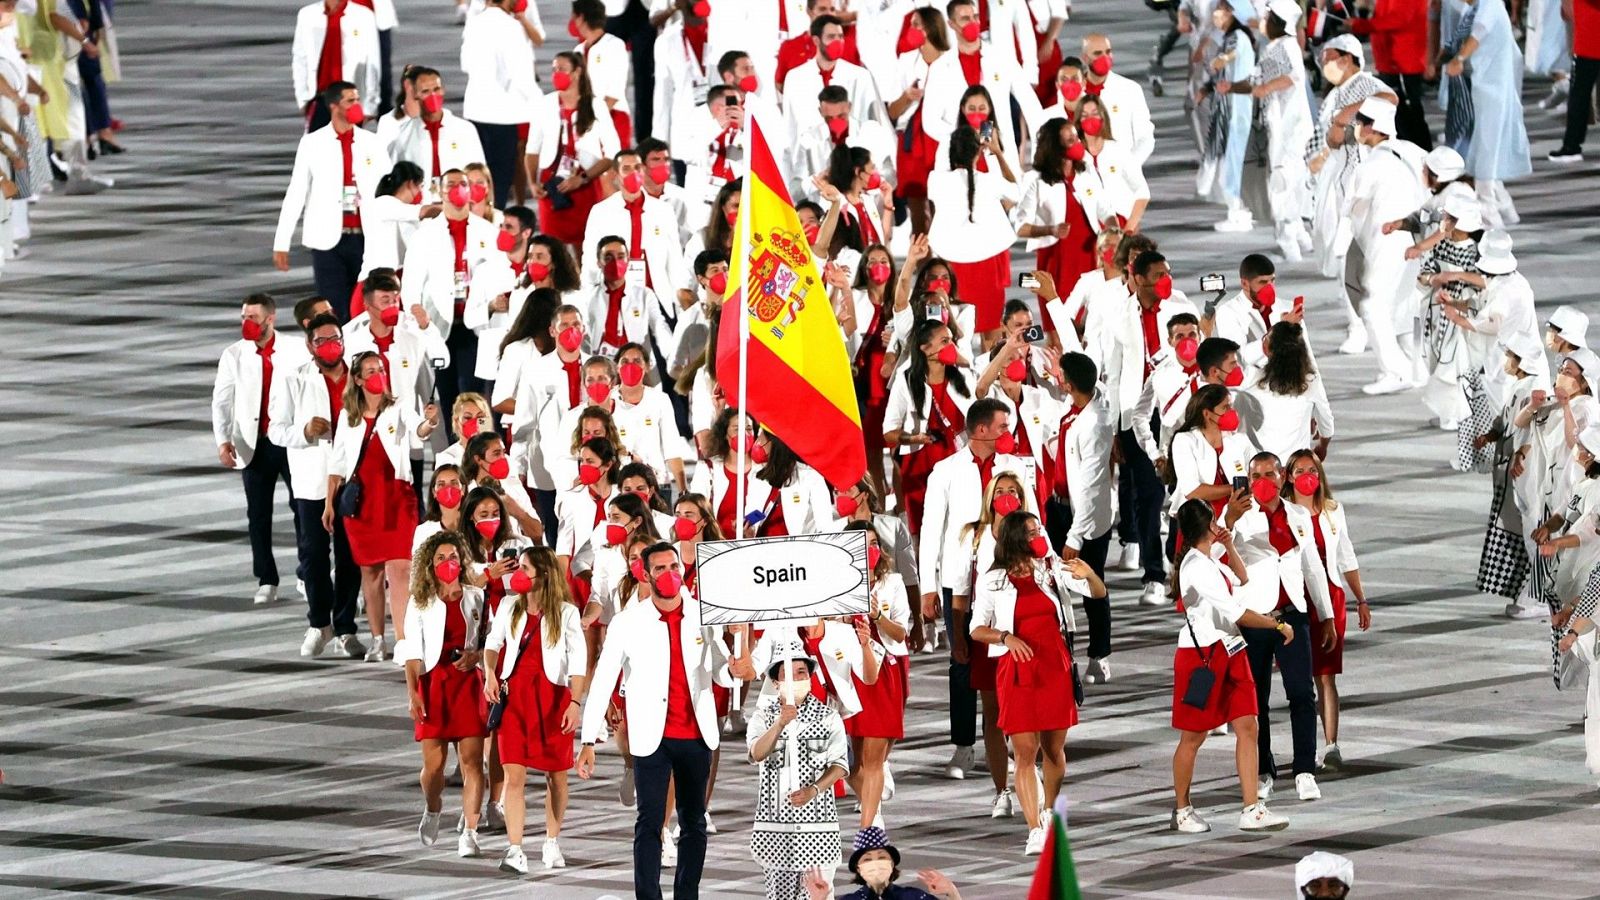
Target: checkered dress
x=784 y=836
x=1503 y=565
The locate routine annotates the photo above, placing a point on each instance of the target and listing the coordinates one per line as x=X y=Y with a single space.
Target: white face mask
x=875 y=872
x=1332 y=71
x=794 y=692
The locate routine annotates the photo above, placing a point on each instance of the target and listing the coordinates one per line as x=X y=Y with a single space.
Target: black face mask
x=1339 y=893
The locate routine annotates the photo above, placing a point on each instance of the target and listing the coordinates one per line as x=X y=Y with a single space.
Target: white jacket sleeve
x=1093 y=466
x=305 y=55
x=931 y=535
x=294 y=198
x=222 y=400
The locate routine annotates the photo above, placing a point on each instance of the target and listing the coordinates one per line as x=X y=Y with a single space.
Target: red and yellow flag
x=799 y=385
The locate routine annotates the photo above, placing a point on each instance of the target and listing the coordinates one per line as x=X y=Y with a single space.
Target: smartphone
x=1033 y=334
x=1214 y=282
x=508 y=553
x=754 y=517
x=1026 y=280
x=1300 y=303
x=986 y=132
x=1241 y=483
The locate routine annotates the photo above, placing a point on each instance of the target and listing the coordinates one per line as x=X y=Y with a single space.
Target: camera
x=1213 y=282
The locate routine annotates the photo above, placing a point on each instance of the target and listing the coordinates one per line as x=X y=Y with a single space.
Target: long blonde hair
x=986 y=518
x=353 y=400
x=424 y=584
x=550 y=594
x=1323 y=498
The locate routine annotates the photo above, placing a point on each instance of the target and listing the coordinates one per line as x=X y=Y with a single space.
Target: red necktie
x=433 y=138
x=613 y=333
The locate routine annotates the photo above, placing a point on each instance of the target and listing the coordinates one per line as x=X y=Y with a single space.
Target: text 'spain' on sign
x=800 y=577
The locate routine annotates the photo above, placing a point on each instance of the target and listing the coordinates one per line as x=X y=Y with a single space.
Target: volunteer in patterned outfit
x=1503 y=565
x=881 y=721
x=799 y=743
x=1444 y=349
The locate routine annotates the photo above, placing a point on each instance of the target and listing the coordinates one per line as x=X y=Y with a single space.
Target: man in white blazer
x=813 y=148
x=305 y=413
x=250 y=371
x=437 y=140
x=1122 y=97
x=1166 y=392
x=347 y=51
x=802 y=85
x=667 y=662
x=336 y=169
x=415 y=347
x=712 y=150
x=657 y=158
x=999 y=74
x=955 y=496
x=1246 y=316
x=647 y=223
x=621 y=309
x=1278 y=547
x=683 y=75
x=502 y=85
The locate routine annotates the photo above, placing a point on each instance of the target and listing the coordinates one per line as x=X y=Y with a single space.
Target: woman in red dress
x=372 y=450
x=440 y=651
x=571 y=141
x=881 y=721
x=718 y=478
x=1023 y=611
x=869 y=318
x=1059 y=231
x=491 y=558
x=926 y=417
x=535 y=653
x=924 y=38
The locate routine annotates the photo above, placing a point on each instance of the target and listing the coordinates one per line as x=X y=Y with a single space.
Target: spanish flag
x=798 y=383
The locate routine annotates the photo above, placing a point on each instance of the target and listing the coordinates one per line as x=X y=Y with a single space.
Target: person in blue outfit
x=1481 y=92
x=875 y=863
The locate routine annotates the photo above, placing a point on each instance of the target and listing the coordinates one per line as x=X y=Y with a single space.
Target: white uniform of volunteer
x=1289 y=126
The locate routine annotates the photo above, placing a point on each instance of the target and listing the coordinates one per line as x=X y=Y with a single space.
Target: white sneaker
x=514 y=861
x=1303 y=237
x=625 y=788
x=552 y=854
x=428 y=830
x=1355 y=340
x=960 y=763
x=1035 y=842
x=316 y=639
x=375 y=652
x=736 y=721
x=1129 y=562
x=1237 y=221
x=1264 y=789
x=877 y=820
x=1005 y=805
x=300 y=588
x=711 y=827
x=888 y=782
x=494 y=818
x=1154 y=594
x=1258 y=818
x=467 y=844
x=1332 y=758
x=1518 y=611
x=1387 y=384
x=1306 y=785
x=1290 y=248
x=1098 y=671
x=350 y=646
x=669 y=851
x=1188 y=821
x=265 y=594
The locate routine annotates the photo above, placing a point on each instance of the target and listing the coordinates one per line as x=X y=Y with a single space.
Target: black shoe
x=92 y=154
x=57 y=170
x=111 y=148
x=1565 y=155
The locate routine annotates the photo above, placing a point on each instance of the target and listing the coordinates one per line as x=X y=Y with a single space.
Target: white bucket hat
x=1571 y=324
x=1530 y=352
x=1465 y=209
x=1494 y=254
x=1381 y=114
x=1287 y=10
x=1445 y=163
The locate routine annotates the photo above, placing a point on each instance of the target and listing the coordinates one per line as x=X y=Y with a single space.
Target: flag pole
x=741 y=501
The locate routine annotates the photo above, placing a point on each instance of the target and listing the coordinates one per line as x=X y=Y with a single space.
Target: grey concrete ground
x=160 y=737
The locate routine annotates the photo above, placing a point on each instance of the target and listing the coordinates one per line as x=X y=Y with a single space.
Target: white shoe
x=888 y=782
x=625 y=793
x=300 y=587
x=711 y=827
x=266 y=593
x=877 y=820
x=1258 y=818
x=1387 y=384
x=467 y=844
x=514 y=861
x=1005 y=805
x=1290 y=248
x=1303 y=238
x=494 y=818
x=1355 y=340
x=669 y=851
x=1154 y=594
x=316 y=639
x=350 y=646
x=1035 y=842
x=428 y=830
x=1220 y=729
x=1305 y=784
x=1264 y=789
x=1238 y=221
x=1188 y=821
x=1518 y=611
x=552 y=854
x=1332 y=758
x=375 y=652
x=461 y=18
x=89 y=185
x=1449 y=424
x=1129 y=562
x=1098 y=671
x=1558 y=93
x=960 y=763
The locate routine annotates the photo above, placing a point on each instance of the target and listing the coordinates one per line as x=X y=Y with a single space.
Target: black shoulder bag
x=497 y=709
x=1202 y=681
x=347 y=502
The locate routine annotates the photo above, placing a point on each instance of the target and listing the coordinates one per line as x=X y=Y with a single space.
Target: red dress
x=1068 y=258
x=915 y=156
x=567 y=225
x=530 y=733
x=383 y=528
x=883 y=703
x=1035 y=695
x=1233 y=696
x=945 y=423
x=452 y=700
x=983 y=284
x=871 y=387
x=728 y=506
x=1327 y=662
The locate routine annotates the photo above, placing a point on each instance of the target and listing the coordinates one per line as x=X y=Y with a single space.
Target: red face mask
x=834 y=49
x=845 y=505
x=448 y=495
x=718 y=282
x=521 y=582
x=971 y=31
x=976 y=120
x=589 y=475
x=632 y=182
x=562 y=79
x=487 y=527
x=911 y=39
x=948 y=354
x=873 y=555
x=355 y=115
x=1263 y=490
x=1092 y=125
x=1016 y=370
x=749 y=83
x=459 y=195
x=1235 y=377
x=685 y=529
x=874 y=181
x=389 y=315
x=1005 y=443
x=505 y=241
x=499 y=469
x=1266 y=295
x=1306 y=484
x=759 y=454
x=1040 y=547
x=661 y=173
x=330 y=352
x=520 y=7
x=669 y=583
x=838 y=127
x=469 y=427
x=1229 y=421
x=939 y=284
x=374 y=384
x=616 y=269
x=1101 y=66
x=732 y=216
x=630 y=373
x=615 y=534
x=569 y=338
x=1186 y=350
x=1108 y=255
x=811 y=229
x=702 y=9
x=598 y=392
x=1005 y=505
x=636 y=569
x=572 y=28
x=538 y=271
x=250 y=330
x=1163 y=287
x=1071 y=90
x=478 y=191
x=878 y=273
x=447 y=570
x=1076 y=153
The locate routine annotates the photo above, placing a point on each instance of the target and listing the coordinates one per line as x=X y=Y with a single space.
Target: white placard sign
x=775 y=579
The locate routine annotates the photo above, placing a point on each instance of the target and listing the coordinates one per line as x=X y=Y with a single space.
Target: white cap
x=1323 y=865
x=1587 y=362
x=1381 y=112
x=1346 y=43
x=1465 y=209
x=1287 y=10
x=1590 y=439
x=1445 y=163
x=1494 y=254
x=1529 y=351
x=1572 y=324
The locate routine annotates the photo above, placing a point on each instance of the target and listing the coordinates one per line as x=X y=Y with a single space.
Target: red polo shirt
x=1398 y=32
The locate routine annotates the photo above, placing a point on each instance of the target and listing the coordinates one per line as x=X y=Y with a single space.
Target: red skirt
x=1328 y=662
x=567 y=225
x=1066 y=260
x=982 y=669
x=1035 y=695
x=983 y=284
x=913 y=165
x=914 y=471
x=382 y=530
x=624 y=126
x=530 y=733
x=1050 y=60
x=1233 y=695
x=883 y=704
x=452 y=701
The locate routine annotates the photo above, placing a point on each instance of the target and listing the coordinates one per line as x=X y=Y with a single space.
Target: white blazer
x=1299 y=571
x=813 y=148
x=1126 y=370
x=410 y=358
x=1088 y=463
x=542 y=397
x=658 y=234
x=941 y=100
x=458 y=146
x=841 y=657
x=1213 y=600
x=502 y=87
x=636 y=650
x=1121 y=176
x=358 y=51
x=1045 y=205
x=493 y=277
x=316 y=186
x=711 y=481
x=896 y=540
x=641 y=318
x=1129 y=113
x=424 y=640
x=989 y=231
x=608 y=62
x=575 y=510
x=899 y=416
x=1039 y=413
x=649 y=431
x=680 y=87
x=1065 y=309
x=430 y=277
x=386 y=227
x=995 y=603
x=807 y=503
x=236 y=394
x=1281 y=423
x=1167 y=392
x=545 y=133
x=301 y=396
x=954 y=500
x=395 y=427
x=1194 y=463
x=889 y=596
x=568 y=658
x=803 y=83
x=1341 y=551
